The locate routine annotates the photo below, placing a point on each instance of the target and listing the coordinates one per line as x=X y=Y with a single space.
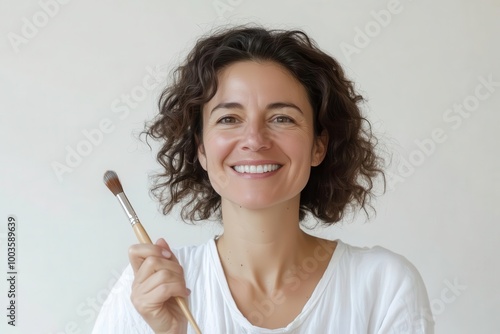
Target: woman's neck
x=262 y=246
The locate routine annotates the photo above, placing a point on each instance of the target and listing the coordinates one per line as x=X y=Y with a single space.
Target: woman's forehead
x=262 y=81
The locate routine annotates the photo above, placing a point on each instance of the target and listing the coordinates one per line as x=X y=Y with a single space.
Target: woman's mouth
x=256 y=169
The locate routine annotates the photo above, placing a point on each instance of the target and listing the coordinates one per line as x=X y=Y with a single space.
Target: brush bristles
x=112 y=182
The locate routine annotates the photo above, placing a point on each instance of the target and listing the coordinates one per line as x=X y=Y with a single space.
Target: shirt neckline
x=315 y=296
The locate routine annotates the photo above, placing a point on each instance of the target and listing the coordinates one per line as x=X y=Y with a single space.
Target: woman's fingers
x=158 y=278
x=152 y=264
x=156 y=270
x=139 y=252
x=173 y=278
x=163 y=244
x=155 y=294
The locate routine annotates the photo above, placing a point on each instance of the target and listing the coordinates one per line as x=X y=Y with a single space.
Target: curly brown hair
x=344 y=178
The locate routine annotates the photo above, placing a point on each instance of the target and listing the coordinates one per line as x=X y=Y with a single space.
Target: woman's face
x=258 y=136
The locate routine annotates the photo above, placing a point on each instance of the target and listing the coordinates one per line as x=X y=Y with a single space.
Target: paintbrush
x=113 y=183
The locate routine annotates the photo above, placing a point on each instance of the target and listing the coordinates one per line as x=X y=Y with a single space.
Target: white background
x=70 y=71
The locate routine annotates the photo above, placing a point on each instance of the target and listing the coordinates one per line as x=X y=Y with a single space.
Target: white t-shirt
x=363 y=290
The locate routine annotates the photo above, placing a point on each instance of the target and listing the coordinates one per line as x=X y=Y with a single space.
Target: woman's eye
x=227 y=120
x=283 y=119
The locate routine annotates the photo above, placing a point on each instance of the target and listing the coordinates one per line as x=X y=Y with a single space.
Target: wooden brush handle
x=141 y=234
x=143 y=237
x=185 y=309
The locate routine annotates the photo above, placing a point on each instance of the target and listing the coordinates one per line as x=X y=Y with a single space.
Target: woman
x=258 y=129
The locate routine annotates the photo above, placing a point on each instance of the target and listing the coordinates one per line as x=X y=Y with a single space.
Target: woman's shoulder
x=389 y=285
x=375 y=258
x=379 y=268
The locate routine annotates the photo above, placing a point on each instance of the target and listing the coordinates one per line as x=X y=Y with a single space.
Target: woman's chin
x=260 y=203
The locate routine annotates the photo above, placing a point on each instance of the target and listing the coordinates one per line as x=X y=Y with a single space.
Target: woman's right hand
x=158 y=279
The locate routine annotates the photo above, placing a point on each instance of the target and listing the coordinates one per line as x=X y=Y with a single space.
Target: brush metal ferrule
x=127 y=207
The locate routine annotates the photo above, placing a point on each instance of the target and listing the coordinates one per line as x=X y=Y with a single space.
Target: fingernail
x=188 y=291
x=166 y=253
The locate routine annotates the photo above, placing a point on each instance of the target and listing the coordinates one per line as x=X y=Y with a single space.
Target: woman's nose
x=256 y=137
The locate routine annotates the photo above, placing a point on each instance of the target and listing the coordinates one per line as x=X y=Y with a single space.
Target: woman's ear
x=202 y=158
x=319 y=148
x=201 y=152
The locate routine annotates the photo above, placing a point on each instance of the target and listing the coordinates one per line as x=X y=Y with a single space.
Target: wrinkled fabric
x=363 y=290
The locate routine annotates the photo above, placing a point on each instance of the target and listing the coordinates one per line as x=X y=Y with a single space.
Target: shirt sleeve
x=118 y=315
x=405 y=300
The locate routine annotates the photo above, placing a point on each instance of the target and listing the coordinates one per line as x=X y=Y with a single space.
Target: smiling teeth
x=256 y=169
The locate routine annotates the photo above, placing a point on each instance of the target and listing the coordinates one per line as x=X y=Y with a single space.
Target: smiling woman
x=260 y=118
x=345 y=177
x=260 y=128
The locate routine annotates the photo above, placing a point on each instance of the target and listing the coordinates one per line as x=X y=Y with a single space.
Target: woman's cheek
x=218 y=148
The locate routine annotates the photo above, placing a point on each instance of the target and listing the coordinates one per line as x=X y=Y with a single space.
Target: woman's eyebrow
x=275 y=105
x=227 y=105
x=280 y=105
